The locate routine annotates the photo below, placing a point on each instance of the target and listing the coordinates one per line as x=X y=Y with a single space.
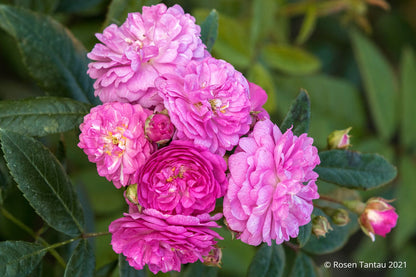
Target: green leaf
x=291 y=60
x=76 y=5
x=125 y=270
x=43 y=182
x=118 y=10
x=19 y=258
x=43 y=6
x=200 y=270
x=334 y=239
x=261 y=76
x=303 y=266
x=408 y=100
x=53 y=57
x=406 y=206
x=262 y=20
x=42 y=116
x=209 y=30
x=355 y=170
x=299 y=115
x=107 y=269
x=305 y=233
x=379 y=82
x=308 y=25
x=82 y=261
x=268 y=261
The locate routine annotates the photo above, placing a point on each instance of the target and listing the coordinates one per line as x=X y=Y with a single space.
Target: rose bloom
x=208 y=102
x=378 y=217
x=130 y=57
x=267 y=198
x=182 y=178
x=159 y=129
x=163 y=242
x=112 y=135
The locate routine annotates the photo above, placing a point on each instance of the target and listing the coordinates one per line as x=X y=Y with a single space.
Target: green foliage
x=303 y=266
x=125 y=270
x=118 y=10
x=209 y=29
x=45 y=184
x=42 y=116
x=298 y=115
x=82 y=261
x=355 y=170
x=268 y=261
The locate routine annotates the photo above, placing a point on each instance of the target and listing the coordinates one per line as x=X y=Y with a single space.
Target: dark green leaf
x=209 y=30
x=76 y=5
x=299 y=115
x=126 y=270
x=118 y=9
x=408 y=85
x=82 y=261
x=107 y=269
x=355 y=170
x=42 y=116
x=268 y=261
x=19 y=258
x=303 y=266
x=379 y=82
x=43 y=6
x=291 y=60
x=54 y=58
x=200 y=270
x=334 y=239
x=305 y=232
x=43 y=182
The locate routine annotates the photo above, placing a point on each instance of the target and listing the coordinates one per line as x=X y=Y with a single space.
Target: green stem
x=24 y=227
x=93 y=235
x=330 y=199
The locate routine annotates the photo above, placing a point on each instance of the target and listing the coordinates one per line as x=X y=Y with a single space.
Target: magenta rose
x=182 y=178
x=208 y=102
x=112 y=135
x=163 y=242
x=130 y=57
x=159 y=129
x=271 y=185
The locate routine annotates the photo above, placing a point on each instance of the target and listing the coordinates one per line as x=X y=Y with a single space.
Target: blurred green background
x=355 y=58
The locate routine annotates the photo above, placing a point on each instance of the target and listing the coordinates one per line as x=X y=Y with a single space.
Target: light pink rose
x=130 y=57
x=182 y=178
x=271 y=185
x=112 y=135
x=163 y=242
x=208 y=102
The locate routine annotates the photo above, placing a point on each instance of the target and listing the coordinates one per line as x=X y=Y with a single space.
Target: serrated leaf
x=125 y=270
x=299 y=115
x=261 y=76
x=379 y=82
x=305 y=233
x=43 y=182
x=268 y=261
x=118 y=9
x=200 y=270
x=334 y=239
x=408 y=98
x=355 y=170
x=53 y=57
x=42 y=116
x=19 y=258
x=209 y=30
x=290 y=59
x=76 y=5
x=82 y=261
x=303 y=266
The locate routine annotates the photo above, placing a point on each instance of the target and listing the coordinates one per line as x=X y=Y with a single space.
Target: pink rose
x=161 y=241
x=159 y=129
x=208 y=102
x=130 y=57
x=182 y=179
x=112 y=135
x=267 y=198
x=258 y=97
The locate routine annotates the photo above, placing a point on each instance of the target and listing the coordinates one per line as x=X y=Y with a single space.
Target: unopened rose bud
x=214 y=257
x=158 y=128
x=378 y=217
x=131 y=194
x=320 y=226
x=339 y=139
x=340 y=217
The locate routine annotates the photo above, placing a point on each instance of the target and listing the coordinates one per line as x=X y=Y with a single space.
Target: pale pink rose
x=208 y=102
x=258 y=97
x=378 y=217
x=182 y=178
x=163 y=242
x=267 y=198
x=159 y=129
x=130 y=57
x=112 y=135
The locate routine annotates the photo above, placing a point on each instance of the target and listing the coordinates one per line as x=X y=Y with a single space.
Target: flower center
x=115 y=142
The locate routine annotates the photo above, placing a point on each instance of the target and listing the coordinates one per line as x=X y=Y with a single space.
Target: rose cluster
x=172 y=115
